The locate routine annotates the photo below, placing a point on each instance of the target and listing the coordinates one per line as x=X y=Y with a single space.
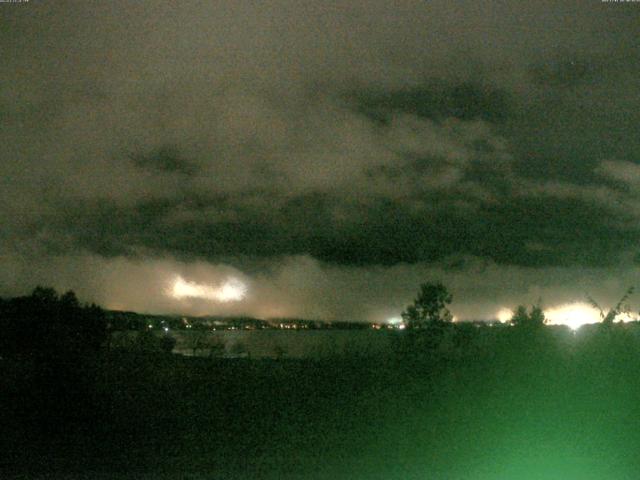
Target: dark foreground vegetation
x=448 y=401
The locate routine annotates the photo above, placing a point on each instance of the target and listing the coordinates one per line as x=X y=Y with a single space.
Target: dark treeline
x=48 y=326
x=50 y=346
x=448 y=400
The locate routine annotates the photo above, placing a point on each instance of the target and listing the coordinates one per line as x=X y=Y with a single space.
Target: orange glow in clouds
x=231 y=290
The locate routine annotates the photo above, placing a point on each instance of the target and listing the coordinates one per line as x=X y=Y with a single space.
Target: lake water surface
x=284 y=343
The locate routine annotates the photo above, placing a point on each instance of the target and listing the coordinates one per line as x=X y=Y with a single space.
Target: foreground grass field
x=534 y=409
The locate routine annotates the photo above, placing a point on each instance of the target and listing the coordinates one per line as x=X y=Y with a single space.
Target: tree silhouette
x=69 y=300
x=58 y=342
x=528 y=320
x=620 y=307
x=46 y=325
x=430 y=306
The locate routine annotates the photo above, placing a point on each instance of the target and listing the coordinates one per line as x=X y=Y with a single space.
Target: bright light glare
x=396 y=322
x=504 y=315
x=627 y=317
x=574 y=315
x=232 y=290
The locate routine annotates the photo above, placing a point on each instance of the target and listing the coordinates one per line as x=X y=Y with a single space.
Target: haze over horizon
x=328 y=157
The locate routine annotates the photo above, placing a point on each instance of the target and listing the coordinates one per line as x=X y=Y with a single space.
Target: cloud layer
x=342 y=141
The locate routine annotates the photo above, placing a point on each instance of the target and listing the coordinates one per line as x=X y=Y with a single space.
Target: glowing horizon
x=573 y=315
x=504 y=314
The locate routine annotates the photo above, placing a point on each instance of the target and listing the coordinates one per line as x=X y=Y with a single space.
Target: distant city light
x=396 y=322
x=504 y=315
x=574 y=315
x=232 y=290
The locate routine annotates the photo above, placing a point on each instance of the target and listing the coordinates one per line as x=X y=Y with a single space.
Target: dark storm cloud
x=164 y=159
x=438 y=100
x=363 y=135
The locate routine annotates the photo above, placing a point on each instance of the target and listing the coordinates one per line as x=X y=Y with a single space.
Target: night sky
x=327 y=157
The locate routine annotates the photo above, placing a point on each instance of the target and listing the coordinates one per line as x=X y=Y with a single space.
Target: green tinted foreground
x=536 y=407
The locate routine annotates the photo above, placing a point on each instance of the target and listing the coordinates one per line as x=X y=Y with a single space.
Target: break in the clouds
x=329 y=156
